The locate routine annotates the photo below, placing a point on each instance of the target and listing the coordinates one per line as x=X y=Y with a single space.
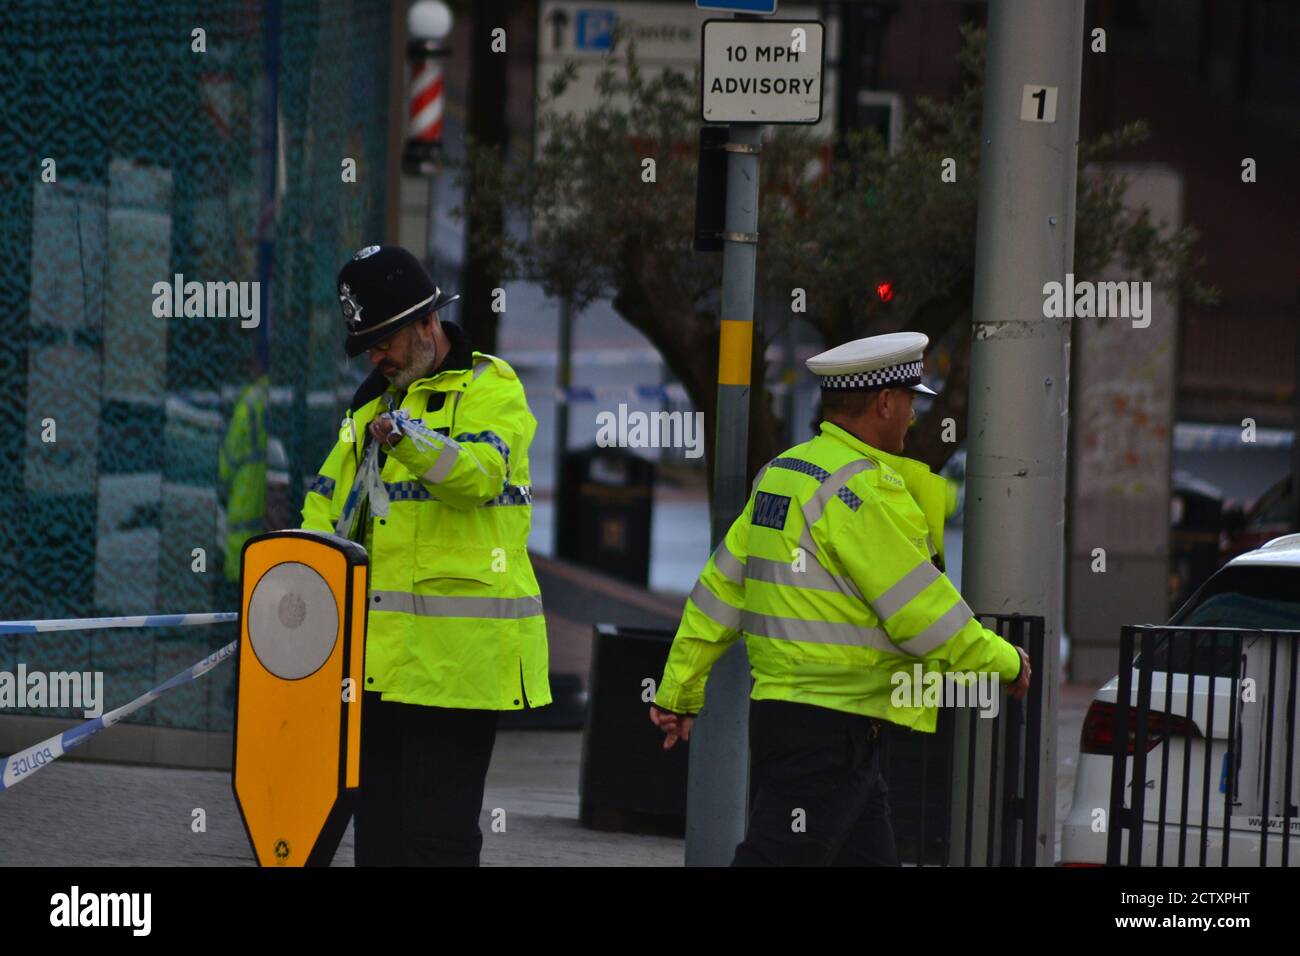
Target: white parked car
x=1259 y=589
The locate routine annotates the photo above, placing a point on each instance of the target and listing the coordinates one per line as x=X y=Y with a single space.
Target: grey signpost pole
x=719 y=761
x=717 y=791
x=564 y=382
x=1013 y=559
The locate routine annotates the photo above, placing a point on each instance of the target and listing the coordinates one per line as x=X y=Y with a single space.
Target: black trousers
x=817 y=796
x=422 y=775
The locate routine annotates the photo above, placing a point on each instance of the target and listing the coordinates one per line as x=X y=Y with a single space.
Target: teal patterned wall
x=128 y=157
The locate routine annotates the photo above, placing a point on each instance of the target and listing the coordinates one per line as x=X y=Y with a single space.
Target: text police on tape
x=762 y=72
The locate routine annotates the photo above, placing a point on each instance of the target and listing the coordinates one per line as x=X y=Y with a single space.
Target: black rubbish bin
x=604 y=512
x=628 y=782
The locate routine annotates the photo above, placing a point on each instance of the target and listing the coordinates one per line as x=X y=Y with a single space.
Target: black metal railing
x=1242 y=676
x=922 y=805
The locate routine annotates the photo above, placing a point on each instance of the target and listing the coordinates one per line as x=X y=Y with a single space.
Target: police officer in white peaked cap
x=838 y=637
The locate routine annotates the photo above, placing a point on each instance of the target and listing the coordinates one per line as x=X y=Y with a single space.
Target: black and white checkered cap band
x=909 y=373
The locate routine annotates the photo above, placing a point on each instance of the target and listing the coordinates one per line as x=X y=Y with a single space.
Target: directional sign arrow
x=558 y=21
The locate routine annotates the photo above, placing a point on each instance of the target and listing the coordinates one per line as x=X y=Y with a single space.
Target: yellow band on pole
x=734 y=352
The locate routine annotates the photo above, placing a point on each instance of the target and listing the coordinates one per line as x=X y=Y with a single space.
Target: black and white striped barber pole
x=430 y=24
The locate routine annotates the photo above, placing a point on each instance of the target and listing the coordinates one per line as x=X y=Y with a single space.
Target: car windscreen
x=1244 y=596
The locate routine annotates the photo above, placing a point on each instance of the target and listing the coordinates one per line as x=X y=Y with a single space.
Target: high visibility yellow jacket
x=455 y=611
x=829 y=573
x=241 y=470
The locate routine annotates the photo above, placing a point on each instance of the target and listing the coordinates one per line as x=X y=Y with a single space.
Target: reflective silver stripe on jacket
x=831 y=484
x=728 y=564
x=430 y=605
x=816 y=632
x=714 y=608
x=813 y=576
x=948 y=624
x=442 y=467
x=817 y=576
x=904 y=589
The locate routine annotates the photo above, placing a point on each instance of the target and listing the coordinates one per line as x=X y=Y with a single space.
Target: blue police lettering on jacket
x=770 y=510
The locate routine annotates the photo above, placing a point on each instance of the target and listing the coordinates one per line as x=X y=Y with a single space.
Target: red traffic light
x=884 y=291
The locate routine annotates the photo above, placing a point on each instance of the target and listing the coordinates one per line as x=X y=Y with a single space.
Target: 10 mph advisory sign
x=766 y=71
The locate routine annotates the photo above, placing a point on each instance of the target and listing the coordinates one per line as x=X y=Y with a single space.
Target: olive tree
x=835 y=222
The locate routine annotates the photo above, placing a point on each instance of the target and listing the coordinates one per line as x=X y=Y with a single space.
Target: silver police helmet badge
x=367 y=251
x=351 y=311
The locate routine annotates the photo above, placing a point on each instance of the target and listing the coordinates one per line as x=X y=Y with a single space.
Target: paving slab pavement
x=90 y=813
x=84 y=813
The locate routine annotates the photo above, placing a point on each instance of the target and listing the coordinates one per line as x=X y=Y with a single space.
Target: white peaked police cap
x=878 y=361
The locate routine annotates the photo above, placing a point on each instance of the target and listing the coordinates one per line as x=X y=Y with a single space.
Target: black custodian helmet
x=383 y=289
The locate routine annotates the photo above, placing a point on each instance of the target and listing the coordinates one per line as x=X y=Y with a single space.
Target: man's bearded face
x=407 y=356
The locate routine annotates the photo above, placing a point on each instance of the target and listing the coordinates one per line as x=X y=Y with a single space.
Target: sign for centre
x=762 y=72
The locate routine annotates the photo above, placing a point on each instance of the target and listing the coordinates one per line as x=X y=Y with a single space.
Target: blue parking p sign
x=762 y=7
x=595 y=29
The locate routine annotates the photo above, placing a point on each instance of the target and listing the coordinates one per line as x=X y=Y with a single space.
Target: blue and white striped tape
x=1197 y=436
x=644 y=393
x=673 y=392
x=21 y=765
x=95 y=623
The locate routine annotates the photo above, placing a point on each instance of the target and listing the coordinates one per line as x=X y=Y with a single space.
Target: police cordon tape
x=98 y=623
x=369 y=487
x=22 y=764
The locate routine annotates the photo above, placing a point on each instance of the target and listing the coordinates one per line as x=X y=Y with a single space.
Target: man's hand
x=673 y=725
x=381 y=429
x=1020 y=688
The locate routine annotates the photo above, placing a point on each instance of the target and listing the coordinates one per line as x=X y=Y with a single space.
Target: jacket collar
x=459 y=360
x=927 y=489
x=897 y=462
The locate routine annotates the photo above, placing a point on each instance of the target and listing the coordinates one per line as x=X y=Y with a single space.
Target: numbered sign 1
x=1038 y=104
